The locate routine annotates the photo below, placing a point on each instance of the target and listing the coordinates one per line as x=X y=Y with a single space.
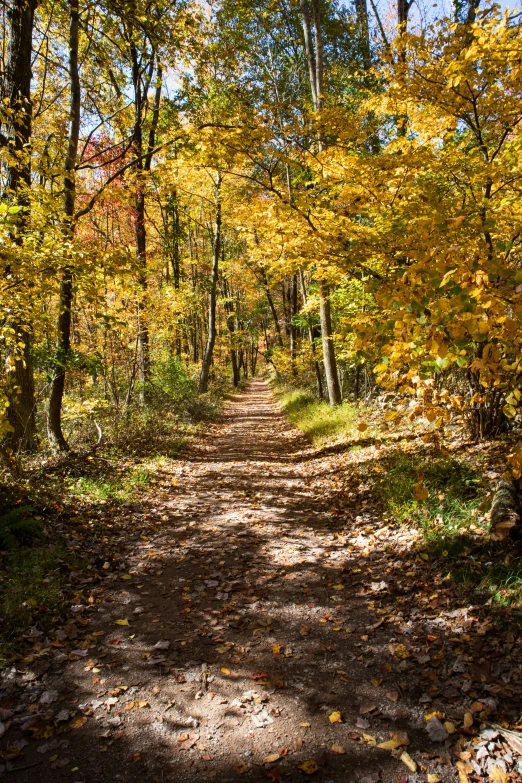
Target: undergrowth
x=455 y=491
x=454 y=524
x=452 y=518
x=33 y=585
x=138 y=442
x=316 y=419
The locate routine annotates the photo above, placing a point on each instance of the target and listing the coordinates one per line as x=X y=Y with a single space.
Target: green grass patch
x=451 y=508
x=32 y=588
x=452 y=523
x=316 y=419
x=495 y=575
x=116 y=488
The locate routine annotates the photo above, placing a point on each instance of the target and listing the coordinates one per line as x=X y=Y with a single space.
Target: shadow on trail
x=254 y=614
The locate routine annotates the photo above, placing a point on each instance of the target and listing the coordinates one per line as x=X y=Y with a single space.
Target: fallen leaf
x=401 y=737
x=436 y=730
x=309 y=767
x=498 y=775
x=463 y=770
x=335 y=717
x=271 y=758
x=432 y=778
x=468 y=720
x=122 y=622
x=439 y=715
x=225 y=670
x=277 y=649
x=338 y=749
x=77 y=723
x=421 y=492
x=410 y=763
x=391 y=744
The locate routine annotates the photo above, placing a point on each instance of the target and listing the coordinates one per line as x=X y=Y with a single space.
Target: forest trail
x=241 y=642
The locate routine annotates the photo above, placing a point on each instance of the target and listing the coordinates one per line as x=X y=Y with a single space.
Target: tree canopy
x=203 y=191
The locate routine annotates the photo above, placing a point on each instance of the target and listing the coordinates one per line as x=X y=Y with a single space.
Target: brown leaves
x=309 y=767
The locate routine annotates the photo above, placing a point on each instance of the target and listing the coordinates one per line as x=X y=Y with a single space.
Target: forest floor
x=241 y=623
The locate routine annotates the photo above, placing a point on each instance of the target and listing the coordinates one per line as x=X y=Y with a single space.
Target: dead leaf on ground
x=410 y=763
x=309 y=767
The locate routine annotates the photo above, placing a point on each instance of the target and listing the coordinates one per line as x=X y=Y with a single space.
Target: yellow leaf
x=376 y=681
x=309 y=767
x=436 y=714
x=391 y=744
x=122 y=622
x=338 y=749
x=277 y=648
x=77 y=723
x=468 y=720
x=369 y=739
x=498 y=775
x=335 y=717
x=225 y=670
x=271 y=758
x=433 y=778
x=463 y=772
x=410 y=763
x=142 y=704
x=450 y=727
x=421 y=492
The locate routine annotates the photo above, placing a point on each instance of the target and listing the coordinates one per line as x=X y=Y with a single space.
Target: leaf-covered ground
x=259 y=615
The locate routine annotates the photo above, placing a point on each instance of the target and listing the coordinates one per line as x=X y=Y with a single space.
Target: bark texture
x=212 y=330
x=63 y=345
x=315 y=60
x=15 y=89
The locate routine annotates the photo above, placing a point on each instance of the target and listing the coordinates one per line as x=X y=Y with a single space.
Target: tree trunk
x=272 y=308
x=330 y=364
x=16 y=94
x=211 y=339
x=361 y=9
x=141 y=85
x=229 y=307
x=63 y=341
x=403 y=10
x=311 y=337
x=293 y=326
x=316 y=73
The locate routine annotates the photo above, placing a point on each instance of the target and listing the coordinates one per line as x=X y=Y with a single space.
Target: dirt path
x=250 y=649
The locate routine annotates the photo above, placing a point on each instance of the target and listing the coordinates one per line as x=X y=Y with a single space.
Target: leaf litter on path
x=244 y=651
